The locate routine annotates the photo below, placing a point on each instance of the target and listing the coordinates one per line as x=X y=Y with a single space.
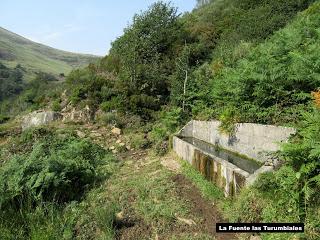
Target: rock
x=276 y=162
x=71 y=114
x=128 y=148
x=80 y=134
x=39 y=118
x=114 y=151
x=95 y=134
x=119 y=216
x=118 y=141
x=189 y=222
x=253 y=237
x=268 y=162
x=116 y=131
x=112 y=148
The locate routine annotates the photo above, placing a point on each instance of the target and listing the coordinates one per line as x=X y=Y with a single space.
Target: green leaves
x=145 y=50
x=276 y=77
x=56 y=169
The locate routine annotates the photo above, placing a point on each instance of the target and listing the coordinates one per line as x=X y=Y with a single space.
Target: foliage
x=46 y=188
x=10 y=82
x=170 y=120
x=3 y=119
x=37 y=93
x=35 y=57
x=56 y=169
x=273 y=82
x=228 y=121
x=290 y=194
x=146 y=54
x=303 y=154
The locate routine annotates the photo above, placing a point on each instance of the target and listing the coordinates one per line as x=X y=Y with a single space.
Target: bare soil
x=201 y=208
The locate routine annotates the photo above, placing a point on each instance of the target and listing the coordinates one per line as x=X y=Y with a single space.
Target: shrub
x=169 y=121
x=56 y=105
x=56 y=169
x=3 y=119
x=113 y=119
x=228 y=120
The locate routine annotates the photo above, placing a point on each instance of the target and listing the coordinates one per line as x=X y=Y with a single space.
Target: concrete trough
x=230 y=162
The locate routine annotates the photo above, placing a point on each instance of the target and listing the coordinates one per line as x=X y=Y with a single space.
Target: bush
x=58 y=169
x=228 y=120
x=3 y=119
x=113 y=119
x=169 y=121
x=56 y=106
x=273 y=82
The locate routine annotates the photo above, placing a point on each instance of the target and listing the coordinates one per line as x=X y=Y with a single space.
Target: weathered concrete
x=251 y=140
x=223 y=173
x=39 y=118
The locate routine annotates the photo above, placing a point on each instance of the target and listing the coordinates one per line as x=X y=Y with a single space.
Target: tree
x=202 y=2
x=183 y=66
x=146 y=52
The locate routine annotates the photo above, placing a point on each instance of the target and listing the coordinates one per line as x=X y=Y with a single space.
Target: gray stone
x=39 y=118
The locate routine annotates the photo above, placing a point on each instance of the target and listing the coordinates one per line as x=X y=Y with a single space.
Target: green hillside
x=115 y=176
x=35 y=57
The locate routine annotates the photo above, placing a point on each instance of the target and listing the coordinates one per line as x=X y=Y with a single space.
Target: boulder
x=116 y=131
x=80 y=134
x=39 y=118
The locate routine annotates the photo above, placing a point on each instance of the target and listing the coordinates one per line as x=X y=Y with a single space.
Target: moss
x=232 y=189
x=239 y=181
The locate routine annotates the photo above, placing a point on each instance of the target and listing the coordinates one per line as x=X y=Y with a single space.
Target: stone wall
x=251 y=140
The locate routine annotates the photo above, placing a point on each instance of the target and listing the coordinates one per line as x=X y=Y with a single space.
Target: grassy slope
x=35 y=57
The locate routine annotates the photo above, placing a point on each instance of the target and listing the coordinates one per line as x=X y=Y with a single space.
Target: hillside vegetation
x=235 y=61
x=35 y=57
x=23 y=62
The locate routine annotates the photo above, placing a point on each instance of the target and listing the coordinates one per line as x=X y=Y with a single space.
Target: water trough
x=230 y=162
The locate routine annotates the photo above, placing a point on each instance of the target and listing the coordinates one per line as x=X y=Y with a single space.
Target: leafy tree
x=10 y=82
x=146 y=52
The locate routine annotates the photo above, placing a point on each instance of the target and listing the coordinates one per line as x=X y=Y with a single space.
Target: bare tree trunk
x=184 y=90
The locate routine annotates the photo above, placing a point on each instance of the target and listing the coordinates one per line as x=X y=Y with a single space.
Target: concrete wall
x=251 y=140
x=225 y=175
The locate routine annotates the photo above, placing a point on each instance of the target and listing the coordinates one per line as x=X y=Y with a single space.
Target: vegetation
x=35 y=57
x=43 y=90
x=236 y=61
x=11 y=82
x=49 y=176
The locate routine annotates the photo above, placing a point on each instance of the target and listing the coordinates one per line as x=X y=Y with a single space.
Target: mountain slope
x=35 y=57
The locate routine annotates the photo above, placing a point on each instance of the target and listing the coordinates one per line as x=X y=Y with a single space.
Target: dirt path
x=201 y=208
x=145 y=183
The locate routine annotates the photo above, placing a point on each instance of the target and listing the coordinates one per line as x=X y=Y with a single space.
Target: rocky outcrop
x=39 y=118
x=72 y=114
